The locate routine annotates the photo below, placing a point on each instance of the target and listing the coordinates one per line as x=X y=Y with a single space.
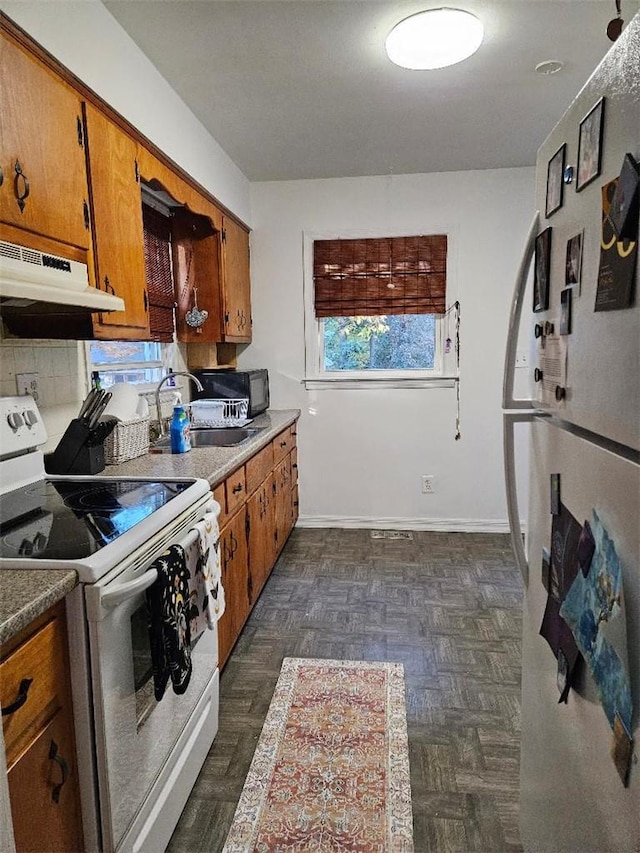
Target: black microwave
x=229 y=384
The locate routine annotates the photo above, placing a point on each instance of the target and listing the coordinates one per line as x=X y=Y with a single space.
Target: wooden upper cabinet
x=42 y=155
x=196 y=269
x=236 y=284
x=116 y=204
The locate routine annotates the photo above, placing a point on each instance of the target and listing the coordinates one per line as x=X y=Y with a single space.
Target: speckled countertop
x=212 y=463
x=24 y=595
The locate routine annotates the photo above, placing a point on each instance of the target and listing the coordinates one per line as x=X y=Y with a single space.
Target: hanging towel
x=206 y=595
x=168 y=601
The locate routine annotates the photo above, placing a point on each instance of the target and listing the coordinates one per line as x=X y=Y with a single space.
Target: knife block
x=80 y=450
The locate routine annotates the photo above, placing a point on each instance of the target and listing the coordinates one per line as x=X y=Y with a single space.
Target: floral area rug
x=331 y=769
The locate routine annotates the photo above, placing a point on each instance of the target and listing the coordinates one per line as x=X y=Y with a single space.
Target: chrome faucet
x=159 y=404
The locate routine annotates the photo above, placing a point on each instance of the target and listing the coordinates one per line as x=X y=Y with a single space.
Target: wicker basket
x=126 y=441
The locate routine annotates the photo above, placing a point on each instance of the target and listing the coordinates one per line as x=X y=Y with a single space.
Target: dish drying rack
x=219 y=413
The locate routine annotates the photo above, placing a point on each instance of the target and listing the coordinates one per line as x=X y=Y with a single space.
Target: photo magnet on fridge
x=573 y=271
x=546 y=569
x=565 y=311
x=555 y=494
x=621 y=749
x=623 y=213
x=616 y=272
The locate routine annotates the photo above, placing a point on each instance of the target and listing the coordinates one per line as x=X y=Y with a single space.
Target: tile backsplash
x=62 y=378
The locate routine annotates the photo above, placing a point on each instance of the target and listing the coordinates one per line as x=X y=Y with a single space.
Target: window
x=136 y=362
x=376 y=310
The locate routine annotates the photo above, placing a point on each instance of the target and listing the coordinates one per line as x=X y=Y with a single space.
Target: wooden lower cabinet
x=37 y=726
x=43 y=793
x=262 y=546
x=236 y=582
x=252 y=538
x=282 y=500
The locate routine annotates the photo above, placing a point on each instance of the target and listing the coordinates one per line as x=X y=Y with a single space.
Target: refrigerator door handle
x=508 y=400
x=515 y=530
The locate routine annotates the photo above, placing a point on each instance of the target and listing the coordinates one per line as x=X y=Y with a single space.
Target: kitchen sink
x=225 y=437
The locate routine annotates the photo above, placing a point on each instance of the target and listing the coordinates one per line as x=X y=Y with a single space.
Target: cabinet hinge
x=224 y=235
x=85 y=213
x=226 y=317
x=146 y=301
x=247 y=526
x=80 y=130
x=136 y=171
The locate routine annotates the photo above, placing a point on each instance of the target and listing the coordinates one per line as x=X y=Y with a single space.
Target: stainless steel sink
x=226 y=437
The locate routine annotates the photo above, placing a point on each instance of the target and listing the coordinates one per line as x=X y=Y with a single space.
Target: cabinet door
x=44 y=190
x=43 y=791
x=117 y=225
x=236 y=285
x=261 y=535
x=235 y=582
x=282 y=497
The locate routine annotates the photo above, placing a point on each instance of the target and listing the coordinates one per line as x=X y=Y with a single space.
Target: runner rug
x=331 y=769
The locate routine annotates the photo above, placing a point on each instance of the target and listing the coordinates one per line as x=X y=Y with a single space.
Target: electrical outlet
x=27 y=383
x=427 y=484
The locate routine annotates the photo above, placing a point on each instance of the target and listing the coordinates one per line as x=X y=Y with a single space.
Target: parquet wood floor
x=447 y=606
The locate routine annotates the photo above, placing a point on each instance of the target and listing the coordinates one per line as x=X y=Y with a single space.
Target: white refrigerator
x=580 y=659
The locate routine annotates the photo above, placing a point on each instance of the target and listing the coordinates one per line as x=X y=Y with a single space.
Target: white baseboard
x=443 y=525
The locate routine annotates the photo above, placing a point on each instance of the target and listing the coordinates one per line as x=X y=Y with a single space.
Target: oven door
x=145 y=771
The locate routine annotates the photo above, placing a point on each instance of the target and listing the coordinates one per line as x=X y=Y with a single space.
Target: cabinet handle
x=107 y=286
x=21 y=196
x=146 y=300
x=237 y=489
x=294 y=465
x=25 y=684
x=80 y=131
x=1 y=176
x=283 y=444
x=64 y=767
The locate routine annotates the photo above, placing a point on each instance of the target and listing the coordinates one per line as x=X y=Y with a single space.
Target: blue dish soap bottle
x=180 y=431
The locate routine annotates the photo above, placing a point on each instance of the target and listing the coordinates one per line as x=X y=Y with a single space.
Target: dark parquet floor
x=447 y=606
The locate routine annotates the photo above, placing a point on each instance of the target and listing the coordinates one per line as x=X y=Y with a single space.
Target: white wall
x=88 y=40
x=362 y=452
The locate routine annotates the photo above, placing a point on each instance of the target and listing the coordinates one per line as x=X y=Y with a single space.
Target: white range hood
x=29 y=277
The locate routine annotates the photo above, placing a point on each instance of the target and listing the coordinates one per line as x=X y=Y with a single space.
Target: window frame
x=441 y=375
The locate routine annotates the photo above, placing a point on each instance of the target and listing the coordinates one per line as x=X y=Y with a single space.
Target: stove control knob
x=30 y=417
x=15 y=420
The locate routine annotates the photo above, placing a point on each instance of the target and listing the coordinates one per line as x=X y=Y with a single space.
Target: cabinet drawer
x=258 y=468
x=281 y=446
x=235 y=490
x=36 y=668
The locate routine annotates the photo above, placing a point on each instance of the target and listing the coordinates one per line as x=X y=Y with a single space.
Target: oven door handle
x=127 y=590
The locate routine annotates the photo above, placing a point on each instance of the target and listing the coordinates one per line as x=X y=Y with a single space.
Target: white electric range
x=137 y=758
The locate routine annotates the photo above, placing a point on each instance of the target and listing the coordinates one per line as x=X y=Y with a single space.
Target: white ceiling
x=303 y=88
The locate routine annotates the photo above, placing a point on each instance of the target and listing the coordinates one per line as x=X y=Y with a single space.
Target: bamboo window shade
x=157 y=262
x=386 y=275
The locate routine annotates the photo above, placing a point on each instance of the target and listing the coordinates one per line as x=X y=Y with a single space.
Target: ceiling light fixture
x=435 y=38
x=549 y=66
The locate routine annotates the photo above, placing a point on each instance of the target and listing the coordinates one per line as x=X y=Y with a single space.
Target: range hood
x=33 y=282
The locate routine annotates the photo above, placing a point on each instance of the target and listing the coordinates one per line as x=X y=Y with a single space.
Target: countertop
x=24 y=595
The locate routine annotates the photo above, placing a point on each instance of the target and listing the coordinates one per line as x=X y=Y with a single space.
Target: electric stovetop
x=70 y=520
